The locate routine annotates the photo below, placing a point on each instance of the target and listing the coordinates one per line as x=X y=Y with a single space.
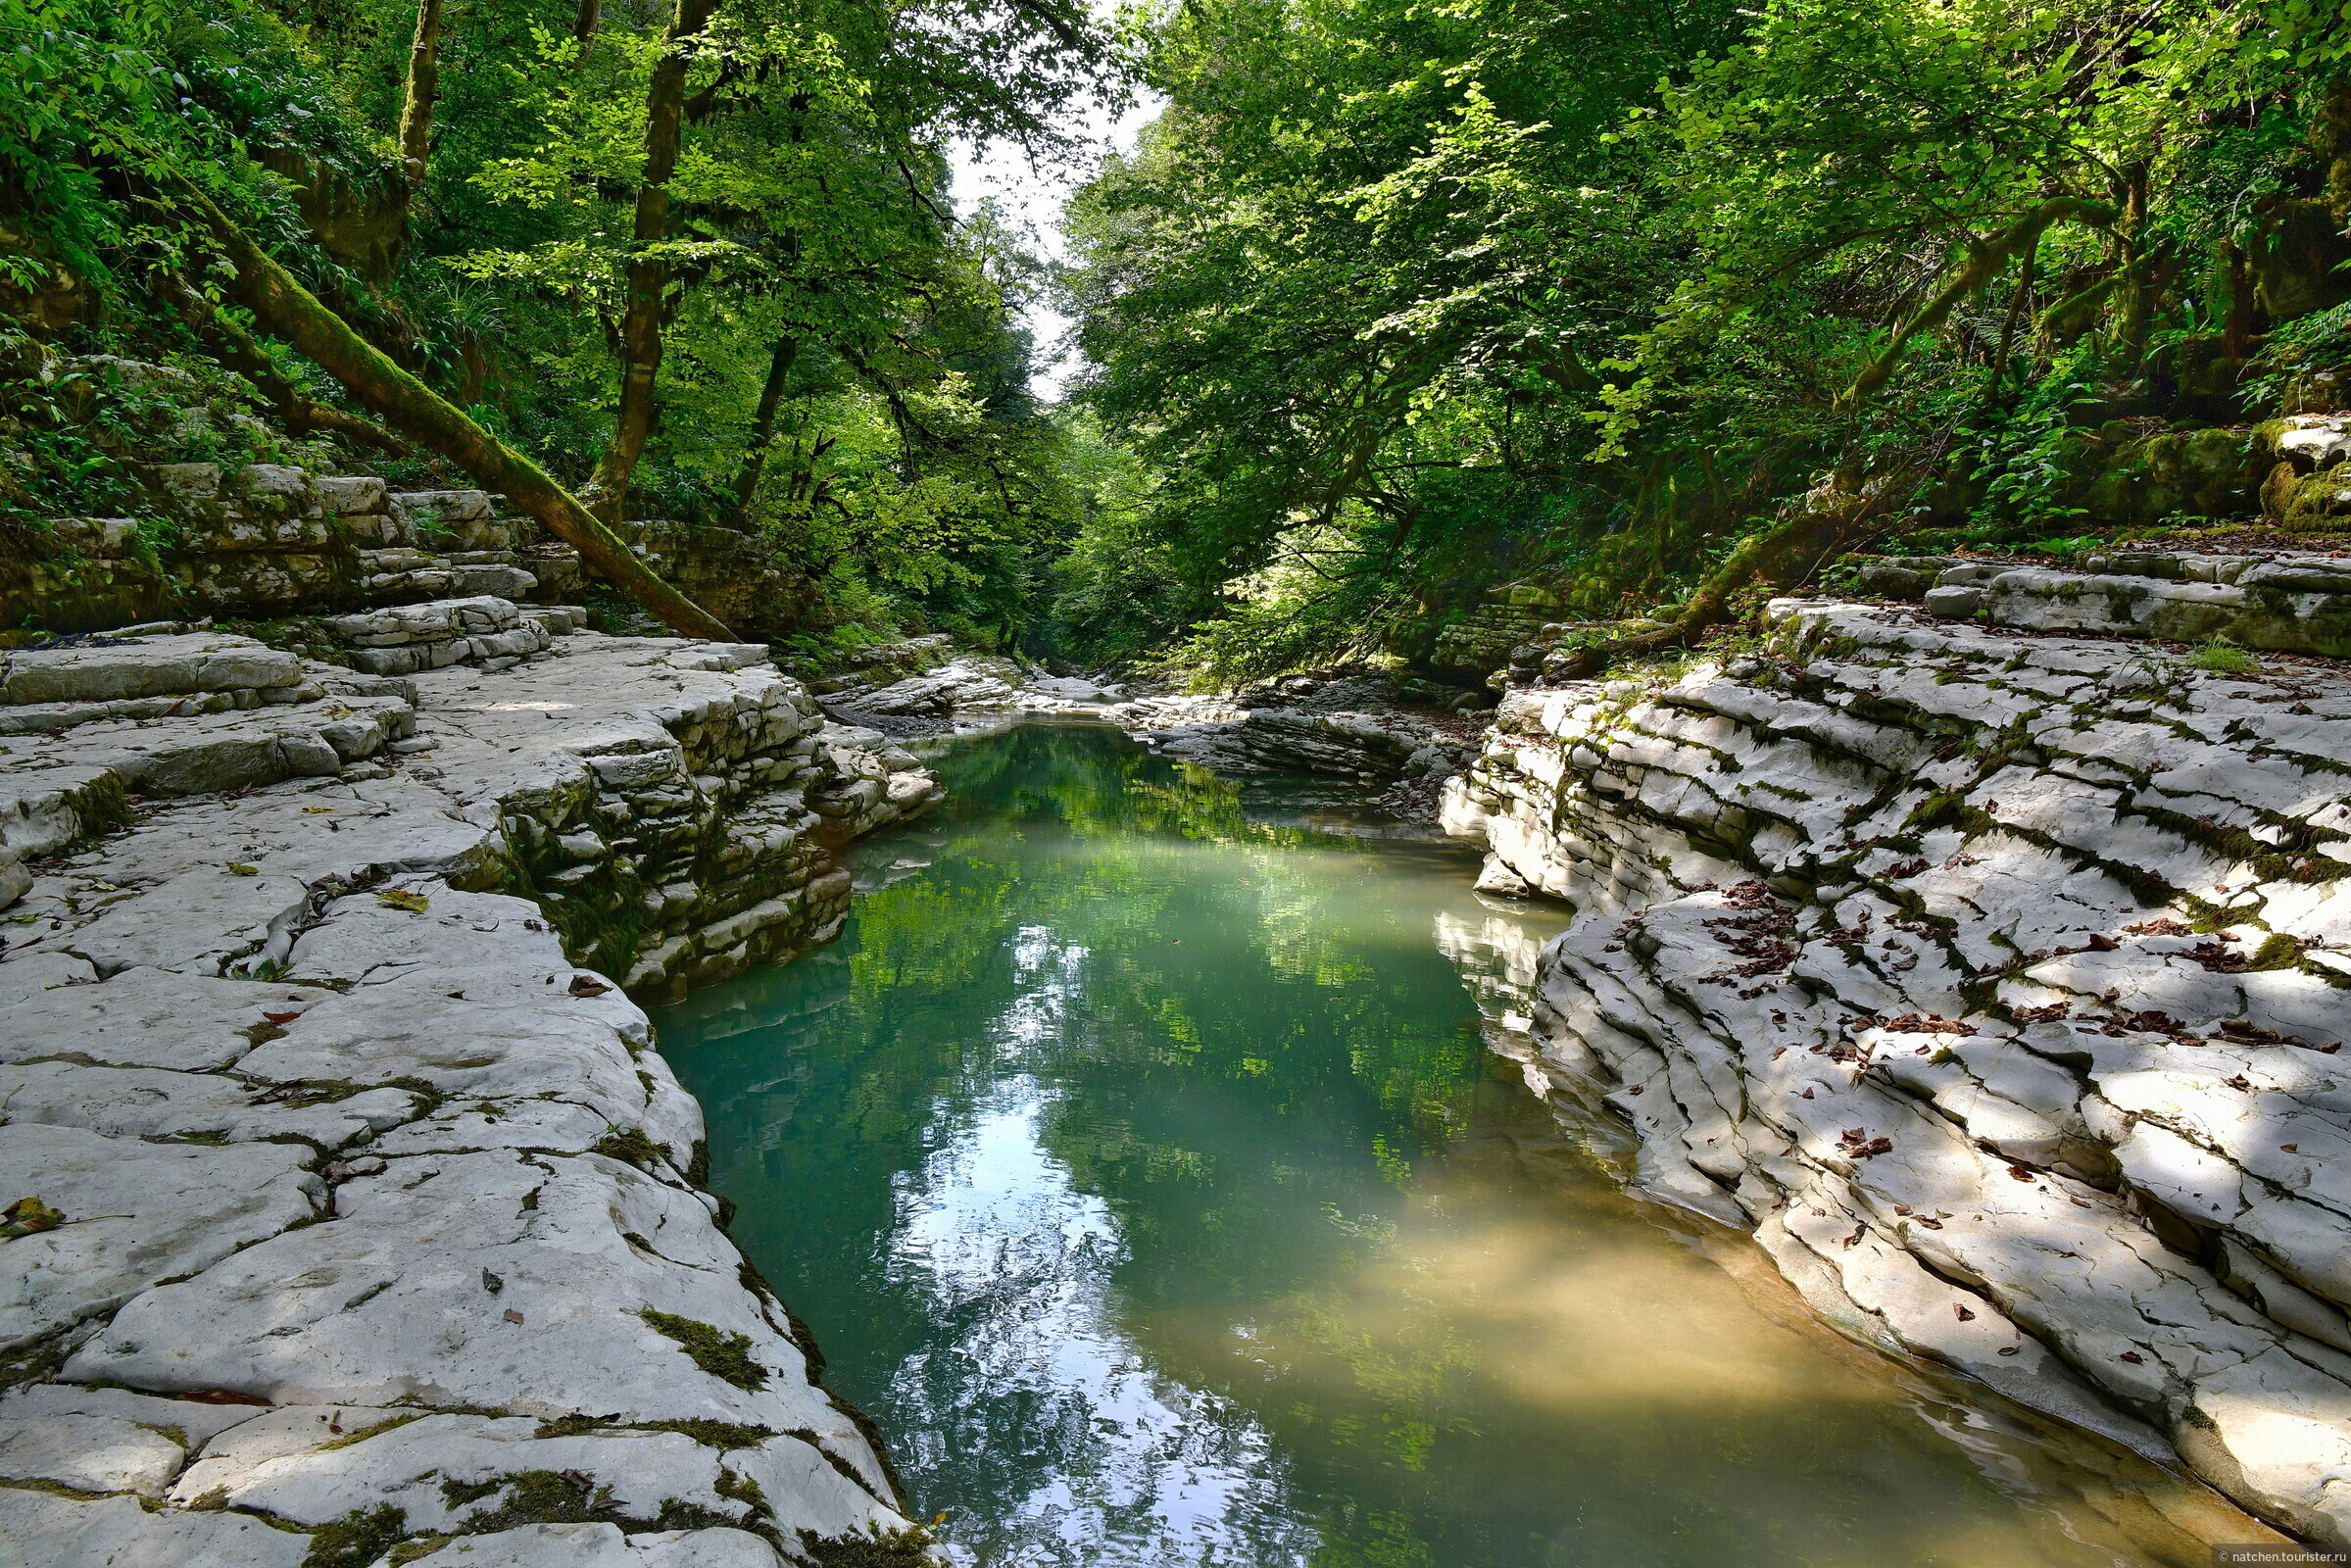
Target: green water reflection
x=1140 y=1168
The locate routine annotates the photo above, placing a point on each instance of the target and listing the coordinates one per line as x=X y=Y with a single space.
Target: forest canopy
x=1660 y=304
x=1400 y=300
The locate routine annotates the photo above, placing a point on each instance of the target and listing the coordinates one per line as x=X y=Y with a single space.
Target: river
x=1139 y=1161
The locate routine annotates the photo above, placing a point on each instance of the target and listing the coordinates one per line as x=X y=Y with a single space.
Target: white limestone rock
x=39 y=1530
x=151 y=666
x=143 y=1102
x=146 y=1017
x=89 y=1453
x=197 y=1422
x=604 y=1546
x=135 y=1213
x=1814 y=1049
x=487 y=1255
x=424 y=1465
x=389 y=1302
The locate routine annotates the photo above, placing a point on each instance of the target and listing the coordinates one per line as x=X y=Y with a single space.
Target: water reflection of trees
x=1241 y=1047
x=1255 y=1051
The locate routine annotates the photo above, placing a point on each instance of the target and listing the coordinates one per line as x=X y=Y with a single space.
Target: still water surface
x=1139 y=1161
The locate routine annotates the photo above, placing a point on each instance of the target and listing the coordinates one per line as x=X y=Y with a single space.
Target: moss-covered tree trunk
x=648 y=274
x=285 y=309
x=235 y=348
x=423 y=87
x=1789 y=551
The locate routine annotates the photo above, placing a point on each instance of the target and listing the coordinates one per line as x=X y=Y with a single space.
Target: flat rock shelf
x=350 y=1219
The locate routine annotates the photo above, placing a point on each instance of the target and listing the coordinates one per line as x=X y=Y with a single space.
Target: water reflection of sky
x=993 y=1232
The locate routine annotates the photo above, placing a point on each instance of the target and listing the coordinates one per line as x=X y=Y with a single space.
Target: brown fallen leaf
x=222 y=1396
x=513 y=1316
x=1963 y=1315
x=587 y=984
x=2133 y=1358
x=281 y=1017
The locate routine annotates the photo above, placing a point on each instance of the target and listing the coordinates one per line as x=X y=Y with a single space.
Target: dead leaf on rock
x=587 y=984
x=29 y=1216
x=414 y=903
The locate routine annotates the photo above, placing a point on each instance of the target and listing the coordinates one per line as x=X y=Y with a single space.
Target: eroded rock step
x=2284 y=602
x=376 y=1215
x=1998 y=985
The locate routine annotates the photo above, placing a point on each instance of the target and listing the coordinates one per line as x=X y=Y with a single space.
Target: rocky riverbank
x=353 y=1218
x=1996 y=980
x=1393 y=738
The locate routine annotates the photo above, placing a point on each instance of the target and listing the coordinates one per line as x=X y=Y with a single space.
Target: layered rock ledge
x=353 y=1216
x=1997 y=984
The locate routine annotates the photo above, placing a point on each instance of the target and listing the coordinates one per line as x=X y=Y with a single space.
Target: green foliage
x=531 y=1498
x=724 y=1354
x=2317 y=343
x=902 y=468
x=880 y=1549
x=2019 y=459
x=630 y=1146
x=1392 y=304
x=122 y=413
x=356 y=1540
x=1400 y=302
x=2224 y=658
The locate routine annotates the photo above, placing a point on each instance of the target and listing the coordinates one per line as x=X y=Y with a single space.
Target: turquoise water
x=1139 y=1162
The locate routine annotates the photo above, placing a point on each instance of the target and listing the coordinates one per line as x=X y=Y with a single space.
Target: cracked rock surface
x=1997 y=984
x=349 y=1205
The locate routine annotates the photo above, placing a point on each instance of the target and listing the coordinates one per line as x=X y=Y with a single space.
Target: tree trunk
x=287 y=310
x=1802 y=539
x=235 y=348
x=1986 y=259
x=762 y=424
x=2017 y=306
x=648 y=275
x=590 y=17
x=423 y=86
x=2137 y=286
x=2330 y=139
x=2237 y=333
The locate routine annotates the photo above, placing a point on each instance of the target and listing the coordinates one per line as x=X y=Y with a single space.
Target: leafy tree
x=1402 y=299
